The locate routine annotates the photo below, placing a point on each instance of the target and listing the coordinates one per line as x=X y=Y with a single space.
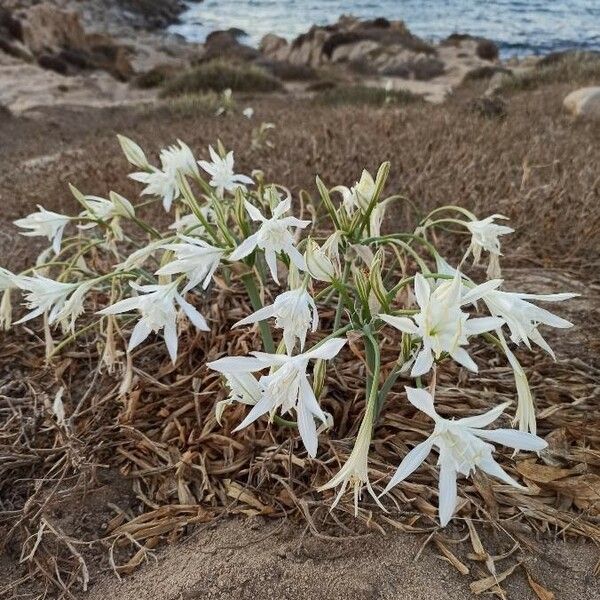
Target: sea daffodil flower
x=523 y=317
x=295 y=312
x=484 y=236
x=195 y=258
x=441 y=324
x=286 y=387
x=273 y=236
x=44 y=296
x=163 y=182
x=157 y=307
x=45 y=223
x=221 y=172
x=461 y=448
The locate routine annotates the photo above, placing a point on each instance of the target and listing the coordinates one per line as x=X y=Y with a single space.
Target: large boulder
x=225 y=44
x=584 y=103
x=47 y=29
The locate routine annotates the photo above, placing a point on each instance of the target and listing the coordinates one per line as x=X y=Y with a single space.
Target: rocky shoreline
x=106 y=52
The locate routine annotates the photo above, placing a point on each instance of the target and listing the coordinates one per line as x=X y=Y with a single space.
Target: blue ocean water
x=520 y=27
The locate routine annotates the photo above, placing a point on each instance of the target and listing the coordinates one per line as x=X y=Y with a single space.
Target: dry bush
x=218 y=76
x=575 y=68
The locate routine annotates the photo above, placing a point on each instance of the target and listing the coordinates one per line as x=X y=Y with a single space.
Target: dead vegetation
x=157 y=448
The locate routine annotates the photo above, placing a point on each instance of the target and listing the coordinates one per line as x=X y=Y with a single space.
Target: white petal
x=484 y=419
x=422 y=290
x=422 y=400
x=245 y=248
x=479 y=291
x=258 y=410
x=461 y=356
x=140 y=332
x=410 y=463
x=402 y=323
x=491 y=467
x=447 y=492
x=482 y=325
x=171 y=336
x=327 y=350
x=254 y=213
x=260 y=315
x=192 y=314
x=519 y=440
x=271 y=259
x=423 y=363
x=307 y=429
x=236 y=364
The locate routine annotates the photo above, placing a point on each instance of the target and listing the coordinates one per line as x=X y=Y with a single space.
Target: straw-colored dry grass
x=169 y=465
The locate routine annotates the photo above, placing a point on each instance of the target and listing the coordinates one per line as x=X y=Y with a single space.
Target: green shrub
x=218 y=76
x=364 y=95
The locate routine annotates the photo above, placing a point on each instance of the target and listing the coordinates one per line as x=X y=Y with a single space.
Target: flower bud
x=318 y=264
x=123 y=207
x=133 y=153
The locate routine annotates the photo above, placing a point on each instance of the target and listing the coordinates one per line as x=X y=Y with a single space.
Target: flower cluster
x=233 y=229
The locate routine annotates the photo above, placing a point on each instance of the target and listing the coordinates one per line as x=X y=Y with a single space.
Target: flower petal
x=410 y=463
x=519 y=440
x=402 y=323
x=422 y=400
x=447 y=491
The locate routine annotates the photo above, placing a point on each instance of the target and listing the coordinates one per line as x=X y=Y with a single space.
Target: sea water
x=519 y=27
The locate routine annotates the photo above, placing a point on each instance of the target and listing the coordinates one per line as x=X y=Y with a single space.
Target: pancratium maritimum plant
x=138 y=280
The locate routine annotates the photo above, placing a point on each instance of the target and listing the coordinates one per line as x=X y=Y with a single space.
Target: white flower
x=461 y=449
x=295 y=312
x=523 y=318
x=272 y=236
x=359 y=196
x=441 y=324
x=163 y=182
x=157 y=307
x=44 y=296
x=248 y=112
x=45 y=223
x=195 y=258
x=286 y=387
x=221 y=171
x=484 y=236
x=103 y=209
x=243 y=388
x=356 y=469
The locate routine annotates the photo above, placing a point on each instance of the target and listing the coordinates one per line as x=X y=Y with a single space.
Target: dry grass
x=576 y=68
x=362 y=95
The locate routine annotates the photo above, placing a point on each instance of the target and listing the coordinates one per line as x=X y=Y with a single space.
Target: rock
x=484 y=48
x=110 y=57
x=584 y=103
x=47 y=29
x=490 y=107
x=53 y=62
x=224 y=44
x=274 y=46
x=15 y=48
x=10 y=25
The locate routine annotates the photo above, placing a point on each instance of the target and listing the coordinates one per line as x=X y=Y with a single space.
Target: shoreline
x=107 y=53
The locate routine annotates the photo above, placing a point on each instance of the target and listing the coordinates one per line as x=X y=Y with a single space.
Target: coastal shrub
x=324 y=286
x=218 y=76
x=364 y=95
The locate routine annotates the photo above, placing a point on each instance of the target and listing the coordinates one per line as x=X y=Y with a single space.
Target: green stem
x=255 y=300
